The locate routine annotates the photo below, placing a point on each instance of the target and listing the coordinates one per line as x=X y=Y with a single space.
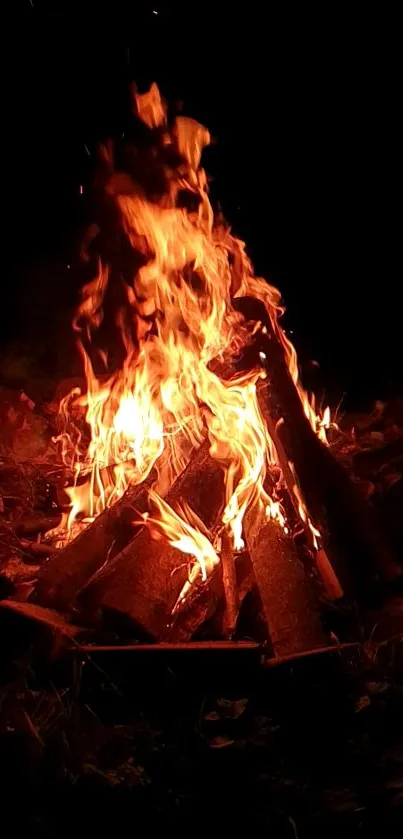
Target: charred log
x=68 y=570
x=351 y=540
x=229 y=583
x=286 y=591
x=207 y=604
x=142 y=584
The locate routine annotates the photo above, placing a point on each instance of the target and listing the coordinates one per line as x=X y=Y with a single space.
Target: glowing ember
x=177 y=318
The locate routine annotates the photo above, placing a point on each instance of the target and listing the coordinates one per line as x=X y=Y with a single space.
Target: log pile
x=144 y=580
x=358 y=552
x=161 y=264
x=116 y=581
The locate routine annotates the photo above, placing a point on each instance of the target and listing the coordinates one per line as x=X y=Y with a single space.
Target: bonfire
x=200 y=478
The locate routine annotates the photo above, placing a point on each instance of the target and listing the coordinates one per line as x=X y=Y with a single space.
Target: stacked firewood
x=116 y=578
x=119 y=582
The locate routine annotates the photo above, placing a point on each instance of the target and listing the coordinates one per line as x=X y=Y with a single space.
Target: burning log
x=68 y=570
x=142 y=583
x=164 y=278
x=229 y=582
x=351 y=541
x=225 y=371
x=208 y=601
x=330 y=580
x=285 y=589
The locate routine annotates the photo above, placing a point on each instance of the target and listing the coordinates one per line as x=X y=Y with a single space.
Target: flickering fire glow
x=157 y=407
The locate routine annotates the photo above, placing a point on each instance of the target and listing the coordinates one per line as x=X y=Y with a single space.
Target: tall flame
x=177 y=318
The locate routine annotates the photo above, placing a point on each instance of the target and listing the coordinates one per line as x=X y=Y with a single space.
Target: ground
x=311 y=748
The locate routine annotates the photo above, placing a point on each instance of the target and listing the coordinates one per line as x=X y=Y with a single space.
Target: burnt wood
x=351 y=539
x=67 y=571
x=286 y=589
x=141 y=585
x=207 y=604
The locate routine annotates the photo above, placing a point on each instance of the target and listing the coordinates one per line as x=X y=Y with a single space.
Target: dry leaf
x=232 y=708
x=363 y=702
x=377 y=687
x=220 y=742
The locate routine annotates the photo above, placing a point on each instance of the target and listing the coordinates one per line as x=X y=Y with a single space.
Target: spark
x=87 y=150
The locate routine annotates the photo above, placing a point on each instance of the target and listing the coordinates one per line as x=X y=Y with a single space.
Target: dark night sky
x=304 y=110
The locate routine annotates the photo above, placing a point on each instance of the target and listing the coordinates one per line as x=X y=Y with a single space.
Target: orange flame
x=177 y=318
x=186 y=532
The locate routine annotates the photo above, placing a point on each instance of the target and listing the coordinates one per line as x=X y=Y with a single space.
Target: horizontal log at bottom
x=168 y=646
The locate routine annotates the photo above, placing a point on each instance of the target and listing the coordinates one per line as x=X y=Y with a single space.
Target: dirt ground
x=205 y=741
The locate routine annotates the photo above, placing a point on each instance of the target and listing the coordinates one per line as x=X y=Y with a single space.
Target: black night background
x=302 y=106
